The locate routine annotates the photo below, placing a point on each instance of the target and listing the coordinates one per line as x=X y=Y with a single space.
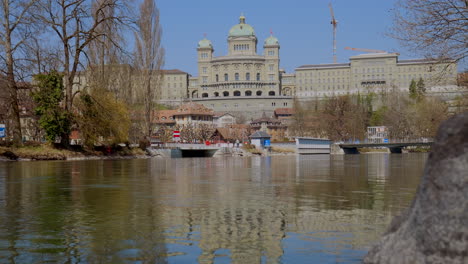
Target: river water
x=281 y=209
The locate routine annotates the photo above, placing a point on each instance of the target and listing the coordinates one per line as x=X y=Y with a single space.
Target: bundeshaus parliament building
x=247 y=83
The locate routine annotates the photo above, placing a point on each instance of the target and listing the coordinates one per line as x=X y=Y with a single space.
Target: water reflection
x=221 y=210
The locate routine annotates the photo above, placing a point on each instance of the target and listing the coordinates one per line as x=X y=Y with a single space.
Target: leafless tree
x=76 y=24
x=15 y=31
x=204 y=132
x=149 y=58
x=437 y=28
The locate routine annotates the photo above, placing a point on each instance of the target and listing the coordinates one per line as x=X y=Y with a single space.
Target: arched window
x=195 y=94
x=258 y=76
x=204 y=95
x=247 y=76
x=236 y=76
x=217 y=78
x=271 y=93
x=237 y=93
x=248 y=93
x=259 y=93
x=226 y=77
x=225 y=93
x=216 y=94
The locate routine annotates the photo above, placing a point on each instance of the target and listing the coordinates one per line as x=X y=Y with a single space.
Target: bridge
x=394 y=147
x=182 y=150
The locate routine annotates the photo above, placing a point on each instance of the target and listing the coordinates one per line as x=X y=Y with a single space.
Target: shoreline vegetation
x=48 y=152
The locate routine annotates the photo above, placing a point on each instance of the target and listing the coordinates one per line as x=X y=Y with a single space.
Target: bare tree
x=76 y=24
x=149 y=58
x=204 y=132
x=15 y=30
x=438 y=28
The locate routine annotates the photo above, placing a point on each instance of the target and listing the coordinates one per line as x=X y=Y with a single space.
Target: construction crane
x=334 y=22
x=366 y=50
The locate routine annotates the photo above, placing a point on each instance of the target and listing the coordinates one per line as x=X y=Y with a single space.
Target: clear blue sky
x=302 y=27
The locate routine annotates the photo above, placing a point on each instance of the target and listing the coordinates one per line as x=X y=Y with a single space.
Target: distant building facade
x=374 y=72
x=243 y=81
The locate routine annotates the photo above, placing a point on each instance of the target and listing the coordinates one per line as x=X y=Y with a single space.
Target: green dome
x=242 y=29
x=271 y=41
x=205 y=43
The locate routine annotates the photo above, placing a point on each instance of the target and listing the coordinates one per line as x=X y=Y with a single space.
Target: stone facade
x=242 y=81
x=375 y=72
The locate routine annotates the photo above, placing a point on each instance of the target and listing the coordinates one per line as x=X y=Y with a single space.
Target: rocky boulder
x=435 y=227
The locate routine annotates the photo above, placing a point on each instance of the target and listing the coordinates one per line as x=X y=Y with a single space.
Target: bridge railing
x=389 y=140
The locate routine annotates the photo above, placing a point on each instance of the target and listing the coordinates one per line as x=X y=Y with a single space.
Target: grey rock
x=435 y=227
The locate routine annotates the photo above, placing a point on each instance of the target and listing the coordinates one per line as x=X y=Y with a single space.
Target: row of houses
x=227 y=127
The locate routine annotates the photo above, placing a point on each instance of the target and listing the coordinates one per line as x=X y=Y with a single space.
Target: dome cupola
x=242 y=29
x=205 y=43
x=271 y=41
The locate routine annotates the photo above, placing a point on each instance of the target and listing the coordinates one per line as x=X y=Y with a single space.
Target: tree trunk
x=11 y=84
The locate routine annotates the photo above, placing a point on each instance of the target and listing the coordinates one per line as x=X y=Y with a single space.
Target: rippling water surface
x=307 y=209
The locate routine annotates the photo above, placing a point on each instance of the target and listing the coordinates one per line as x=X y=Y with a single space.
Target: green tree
x=421 y=88
x=102 y=116
x=377 y=117
x=413 y=90
x=52 y=117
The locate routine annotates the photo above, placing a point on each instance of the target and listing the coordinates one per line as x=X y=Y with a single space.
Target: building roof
x=271 y=41
x=220 y=114
x=193 y=109
x=416 y=61
x=260 y=134
x=284 y=111
x=164 y=117
x=375 y=55
x=173 y=71
x=323 y=66
x=265 y=119
x=205 y=43
x=242 y=29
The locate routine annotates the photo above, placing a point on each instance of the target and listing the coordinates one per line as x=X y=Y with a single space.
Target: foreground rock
x=435 y=227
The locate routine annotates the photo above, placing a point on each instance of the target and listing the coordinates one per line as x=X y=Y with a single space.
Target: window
x=205 y=79
x=273 y=104
x=225 y=93
x=248 y=93
x=247 y=76
x=271 y=77
x=271 y=93
x=270 y=67
x=216 y=94
x=259 y=93
x=217 y=78
x=237 y=93
x=204 y=95
x=226 y=77
x=236 y=76
x=258 y=76
x=204 y=69
x=204 y=55
x=285 y=104
x=271 y=53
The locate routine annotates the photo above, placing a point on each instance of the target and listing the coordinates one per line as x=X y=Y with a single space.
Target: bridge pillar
x=351 y=150
x=396 y=150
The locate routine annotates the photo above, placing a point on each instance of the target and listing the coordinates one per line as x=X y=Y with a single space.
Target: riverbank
x=48 y=152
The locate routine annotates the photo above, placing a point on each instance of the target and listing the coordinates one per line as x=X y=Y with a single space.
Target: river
x=280 y=209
